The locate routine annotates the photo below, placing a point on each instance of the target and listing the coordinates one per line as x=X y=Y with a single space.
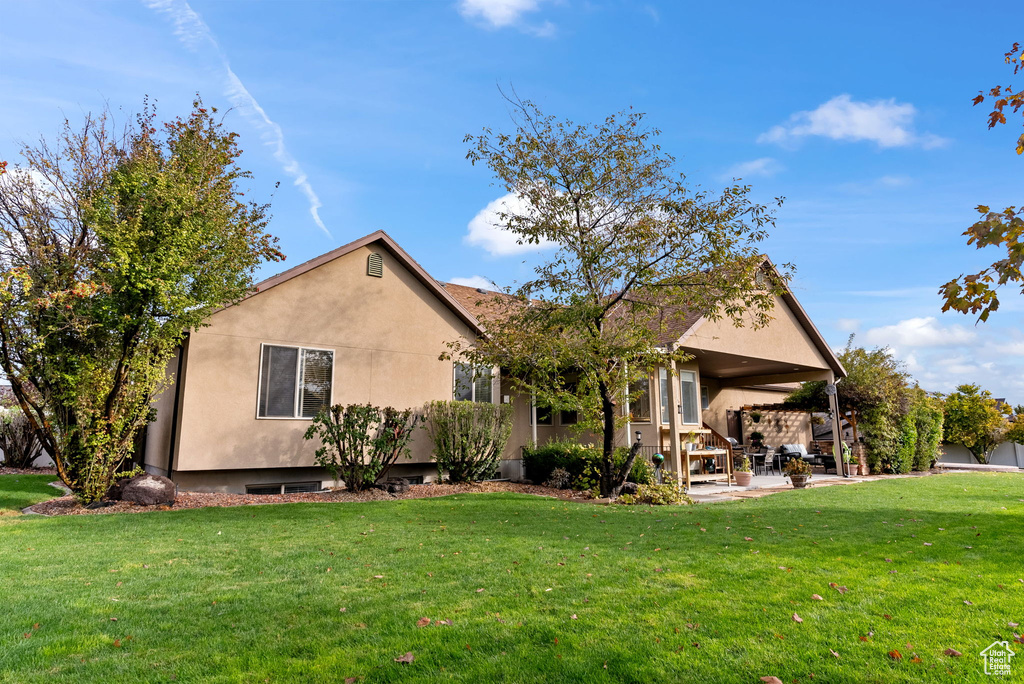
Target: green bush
x=360 y=442
x=469 y=437
x=656 y=495
x=583 y=463
x=928 y=417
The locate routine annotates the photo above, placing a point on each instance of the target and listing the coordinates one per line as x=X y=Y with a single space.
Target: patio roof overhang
x=733 y=370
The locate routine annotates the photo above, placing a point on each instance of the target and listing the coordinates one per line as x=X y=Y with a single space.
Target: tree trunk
x=609 y=487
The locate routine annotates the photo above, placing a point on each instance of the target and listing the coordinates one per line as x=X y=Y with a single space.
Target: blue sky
x=860 y=117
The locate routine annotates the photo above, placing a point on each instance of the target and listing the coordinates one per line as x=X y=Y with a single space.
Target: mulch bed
x=67 y=505
x=27 y=471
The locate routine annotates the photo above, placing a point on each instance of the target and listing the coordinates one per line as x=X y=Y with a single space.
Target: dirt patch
x=67 y=505
x=27 y=471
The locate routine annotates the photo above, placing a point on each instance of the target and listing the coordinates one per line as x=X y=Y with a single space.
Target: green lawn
x=19 y=491
x=570 y=592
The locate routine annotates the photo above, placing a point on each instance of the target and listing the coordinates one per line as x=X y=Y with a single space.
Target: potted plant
x=755 y=416
x=799 y=472
x=756 y=439
x=743 y=473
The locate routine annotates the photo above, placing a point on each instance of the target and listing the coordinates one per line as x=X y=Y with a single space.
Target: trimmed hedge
x=581 y=462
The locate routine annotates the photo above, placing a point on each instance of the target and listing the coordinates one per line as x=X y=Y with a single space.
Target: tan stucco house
x=365 y=323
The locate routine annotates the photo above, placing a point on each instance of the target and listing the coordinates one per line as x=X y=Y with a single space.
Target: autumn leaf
x=952 y=652
x=863 y=638
x=479 y=590
x=771 y=680
x=117 y=643
x=968 y=603
x=836 y=655
x=797 y=618
x=407 y=658
x=748 y=539
x=423 y=622
x=816 y=597
x=895 y=654
x=915 y=659
x=351 y=680
x=887 y=616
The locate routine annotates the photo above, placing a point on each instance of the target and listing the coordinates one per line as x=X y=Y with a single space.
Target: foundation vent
x=375 y=265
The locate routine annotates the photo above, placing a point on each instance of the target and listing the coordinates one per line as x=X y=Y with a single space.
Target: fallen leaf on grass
x=479 y=590
x=816 y=597
x=423 y=622
x=797 y=618
x=952 y=652
x=887 y=616
x=863 y=638
x=351 y=680
x=407 y=658
x=1011 y=624
x=915 y=659
x=573 y=616
x=895 y=654
x=117 y=643
x=836 y=655
x=771 y=680
x=839 y=588
x=748 y=539
x=968 y=603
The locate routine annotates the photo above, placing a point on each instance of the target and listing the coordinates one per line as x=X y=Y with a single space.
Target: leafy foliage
x=656 y=495
x=928 y=418
x=360 y=442
x=872 y=397
x=973 y=419
x=113 y=247
x=560 y=479
x=469 y=437
x=581 y=462
x=18 y=439
x=636 y=251
x=977 y=292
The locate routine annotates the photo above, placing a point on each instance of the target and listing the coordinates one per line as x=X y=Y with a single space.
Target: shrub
x=560 y=479
x=656 y=495
x=469 y=437
x=583 y=463
x=797 y=466
x=19 y=441
x=361 y=442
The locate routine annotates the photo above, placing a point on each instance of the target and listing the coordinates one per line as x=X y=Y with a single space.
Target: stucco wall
x=783 y=339
x=386 y=334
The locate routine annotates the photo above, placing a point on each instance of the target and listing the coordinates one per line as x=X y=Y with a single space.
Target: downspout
x=629 y=423
x=178 y=381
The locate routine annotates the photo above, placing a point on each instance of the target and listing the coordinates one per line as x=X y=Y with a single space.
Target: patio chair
x=768 y=462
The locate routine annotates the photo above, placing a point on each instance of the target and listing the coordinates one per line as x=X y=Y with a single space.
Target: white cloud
x=486 y=231
x=765 y=166
x=848 y=324
x=496 y=14
x=195 y=35
x=885 y=122
x=920 y=332
x=477 y=281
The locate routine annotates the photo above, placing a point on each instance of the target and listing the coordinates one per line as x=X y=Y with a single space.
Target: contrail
x=193 y=32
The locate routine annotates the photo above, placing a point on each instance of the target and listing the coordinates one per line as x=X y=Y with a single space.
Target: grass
x=571 y=592
x=20 y=491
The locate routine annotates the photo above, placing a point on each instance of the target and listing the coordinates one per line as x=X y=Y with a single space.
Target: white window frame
x=472 y=383
x=648 y=398
x=298 y=378
x=694 y=396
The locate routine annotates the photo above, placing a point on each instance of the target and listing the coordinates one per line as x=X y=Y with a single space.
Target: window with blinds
x=294 y=382
x=472 y=384
x=688 y=394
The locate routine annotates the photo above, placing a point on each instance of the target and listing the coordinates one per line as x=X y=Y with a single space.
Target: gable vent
x=375 y=265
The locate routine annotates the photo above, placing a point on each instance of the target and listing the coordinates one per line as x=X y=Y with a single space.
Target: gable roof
x=388 y=243
x=801 y=316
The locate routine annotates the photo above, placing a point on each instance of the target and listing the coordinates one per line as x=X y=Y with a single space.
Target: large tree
x=977 y=292
x=114 y=243
x=874 y=378
x=636 y=250
x=974 y=419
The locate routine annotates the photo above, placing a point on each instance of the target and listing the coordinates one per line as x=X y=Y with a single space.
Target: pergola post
x=837 y=430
